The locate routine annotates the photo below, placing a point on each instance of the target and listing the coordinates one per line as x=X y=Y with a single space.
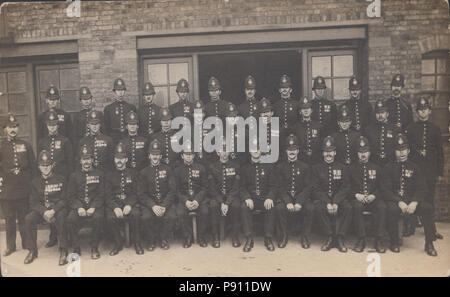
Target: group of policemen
x=103 y=168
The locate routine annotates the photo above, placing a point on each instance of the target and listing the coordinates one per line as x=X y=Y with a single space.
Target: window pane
x=428 y=82
x=24 y=125
x=442 y=83
x=157 y=74
x=161 y=98
x=178 y=71
x=340 y=90
x=48 y=77
x=70 y=101
x=327 y=90
x=18 y=103
x=428 y=66
x=441 y=66
x=343 y=65
x=3 y=103
x=43 y=104
x=321 y=66
x=173 y=95
x=70 y=79
x=17 y=82
x=3 y=88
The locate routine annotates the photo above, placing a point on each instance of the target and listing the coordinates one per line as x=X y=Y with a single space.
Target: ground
x=229 y=261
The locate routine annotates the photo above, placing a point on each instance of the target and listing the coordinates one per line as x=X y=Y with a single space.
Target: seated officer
x=149 y=113
x=294 y=189
x=365 y=194
x=406 y=190
x=135 y=145
x=224 y=189
x=165 y=138
x=345 y=139
x=48 y=204
x=85 y=197
x=192 y=189
x=258 y=192
x=331 y=186
x=157 y=193
x=121 y=200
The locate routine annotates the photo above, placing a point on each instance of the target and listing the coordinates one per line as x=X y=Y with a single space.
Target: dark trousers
x=155 y=226
x=334 y=224
x=303 y=218
x=34 y=218
x=431 y=180
x=185 y=221
x=114 y=223
x=233 y=213
x=14 y=210
x=247 y=218
x=423 y=209
x=378 y=210
x=75 y=223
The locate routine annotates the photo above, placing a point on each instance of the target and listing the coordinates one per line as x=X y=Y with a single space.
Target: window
x=336 y=67
x=435 y=72
x=164 y=74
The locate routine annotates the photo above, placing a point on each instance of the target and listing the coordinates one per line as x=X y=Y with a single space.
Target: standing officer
x=360 y=108
x=182 y=108
x=331 y=186
x=192 y=191
x=365 y=194
x=381 y=135
x=122 y=201
x=115 y=112
x=64 y=120
x=324 y=111
x=48 y=204
x=149 y=114
x=258 y=192
x=266 y=113
x=216 y=106
x=157 y=190
x=165 y=138
x=250 y=105
x=308 y=133
x=135 y=145
x=426 y=149
x=405 y=189
x=231 y=119
x=101 y=144
x=85 y=198
x=400 y=110
x=199 y=132
x=294 y=189
x=345 y=139
x=224 y=189
x=80 y=119
x=19 y=167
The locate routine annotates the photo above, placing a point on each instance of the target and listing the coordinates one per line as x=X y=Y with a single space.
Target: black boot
x=138 y=248
x=394 y=246
x=52 y=242
x=95 y=254
x=304 y=241
x=235 y=241
x=379 y=246
x=165 y=244
x=283 y=242
x=360 y=245
x=269 y=244
x=31 y=256
x=328 y=244
x=202 y=242
x=116 y=249
x=62 y=257
x=187 y=242
x=429 y=248
x=248 y=244
x=438 y=235
x=340 y=244
x=151 y=246
x=216 y=242
x=9 y=252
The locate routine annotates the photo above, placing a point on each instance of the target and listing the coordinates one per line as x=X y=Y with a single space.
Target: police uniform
x=268 y=129
x=157 y=186
x=149 y=114
x=324 y=111
x=360 y=109
x=47 y=193
x=135 y=146
x=120 y=191
x=294 y=187
x=345 y=140
x=64 y=120
x=286 y=109
x=166 y=138
x=114 y=114
x=198 y=131
x=216 y=108
x=331 y=185
x=182 y=108
x=19 y=166
x=101 y=144
x=234 y=136
x=249 y=107
x=400 y=110
x=403 y=181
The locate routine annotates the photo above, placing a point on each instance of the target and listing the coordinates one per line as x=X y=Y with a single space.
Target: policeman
x=400 y=110
x=157 y=194
x=330 y=189
x=135 y=145
x=345 y=139
x=294 y=189
x=249 y=107
x=308 y=133
x=101 y=144
x=19 y=166
x=426 y=148
x=85 y=198
x=224 y=189
x=121 y=200
x=216 y=106
x=258 y=193
x=64 y=120
x=286 y=108
x=182 y=108
x=165 y=138
x=149 y=114
x=192 y=192
x=266 y=114
x=198 y=133
x=405 y=189
x=48 y=204
x=324 y=111
x=360 y=108
x=381 y=135
x=80 y=119
x=232 y=133
x=115 y=112
x=365 y=194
